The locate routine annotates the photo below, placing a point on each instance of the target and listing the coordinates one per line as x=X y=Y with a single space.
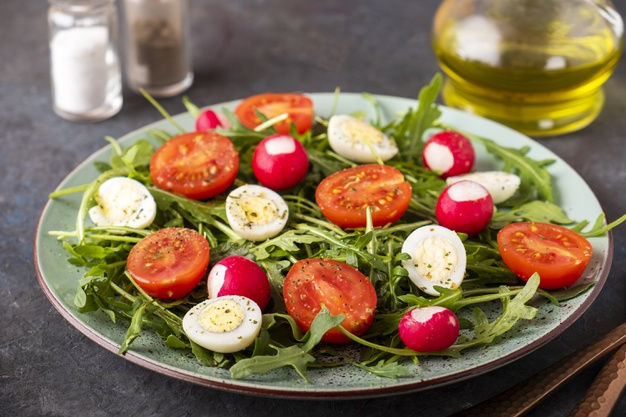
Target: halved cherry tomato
x=197 y=165
x=298 y=106
x=339 y=287
x=169 y=263
x=558 y=254
x=345 y=195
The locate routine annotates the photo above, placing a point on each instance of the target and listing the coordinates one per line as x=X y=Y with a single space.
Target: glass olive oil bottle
x=537 y=66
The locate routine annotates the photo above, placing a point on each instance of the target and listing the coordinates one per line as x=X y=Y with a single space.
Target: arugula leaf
x=598 y=228
x=134 y=330
x=296 y=356
x=410 y=130
x=382 y=369
x=322 y=323
x=487 y=273
x=93 y=251
x=513 y=310
x=566 y=293
x=204 y=356
x=204 y=211
x=293 y=356
x=135 y=157
x=533 y=211
x=175 y=342
x=447 y=298
x=326 y=166
x=241 y=136
x=192 y=109
x=287 y=241
x=339 y=242
x=270 y=322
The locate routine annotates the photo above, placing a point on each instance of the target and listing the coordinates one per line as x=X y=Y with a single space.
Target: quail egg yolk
x=435 y=259
x=362 y=132
x=222 y=316
x=258 y=210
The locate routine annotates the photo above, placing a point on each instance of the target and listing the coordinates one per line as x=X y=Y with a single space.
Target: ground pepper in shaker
x=84 y=65
x=158 y=46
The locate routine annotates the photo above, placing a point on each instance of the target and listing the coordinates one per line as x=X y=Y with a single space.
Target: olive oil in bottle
x=537 y=66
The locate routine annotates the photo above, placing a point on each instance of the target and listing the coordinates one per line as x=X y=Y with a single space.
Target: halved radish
x=449 y=153
x=465 y=207
x=210 y=120
x=237 y=275
x=429 y=329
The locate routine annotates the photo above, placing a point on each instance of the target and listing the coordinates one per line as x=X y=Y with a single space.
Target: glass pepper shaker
x=84 y=64
x=158 y=46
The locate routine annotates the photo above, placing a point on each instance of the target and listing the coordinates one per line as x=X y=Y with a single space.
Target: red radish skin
x=210 y=120
x=465 y=207
x=237 y=275
x=429 y=329
x=280 y=162
x=449 y=153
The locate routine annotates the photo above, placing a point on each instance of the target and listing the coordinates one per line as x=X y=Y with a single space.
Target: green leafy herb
x=293 y=356
x=385 y=370
x=533 y=211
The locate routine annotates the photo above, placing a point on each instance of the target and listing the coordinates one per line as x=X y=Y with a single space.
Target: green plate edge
x=58 y=279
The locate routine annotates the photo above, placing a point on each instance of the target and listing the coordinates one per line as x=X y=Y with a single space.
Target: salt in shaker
x=84 y=65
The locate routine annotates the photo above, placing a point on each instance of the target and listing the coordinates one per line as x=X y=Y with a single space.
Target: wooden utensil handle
x=520 y=399
x=606 y=389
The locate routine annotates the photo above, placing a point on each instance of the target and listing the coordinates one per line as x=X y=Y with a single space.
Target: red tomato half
x=169 y=263
x=558 y=254
x=298 y=106
x=339 y=287
x=197 y=165
x=345 y=195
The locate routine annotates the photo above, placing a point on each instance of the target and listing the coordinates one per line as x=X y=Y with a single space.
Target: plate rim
x=244 y=387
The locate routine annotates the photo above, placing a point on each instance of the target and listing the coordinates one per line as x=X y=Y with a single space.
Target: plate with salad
x=323 y=245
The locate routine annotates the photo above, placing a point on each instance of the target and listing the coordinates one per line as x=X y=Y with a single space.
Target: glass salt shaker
x=157 y=46
x=84 y=64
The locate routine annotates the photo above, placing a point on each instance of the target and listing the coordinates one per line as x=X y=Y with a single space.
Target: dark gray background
x=243 y=47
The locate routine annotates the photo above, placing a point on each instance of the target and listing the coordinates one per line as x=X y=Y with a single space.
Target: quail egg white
x=501 y=185
x=224 y=324
x=255 y=212
x=358 y=141
x=125 y=202
x=437 y=258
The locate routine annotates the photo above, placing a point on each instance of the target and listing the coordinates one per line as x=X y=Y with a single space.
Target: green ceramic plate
x=59 y=279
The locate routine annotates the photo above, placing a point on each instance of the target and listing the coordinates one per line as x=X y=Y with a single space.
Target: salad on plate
x=274 y=237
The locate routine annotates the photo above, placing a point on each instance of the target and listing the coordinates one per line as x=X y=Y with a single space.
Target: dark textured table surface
x=242 y=47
